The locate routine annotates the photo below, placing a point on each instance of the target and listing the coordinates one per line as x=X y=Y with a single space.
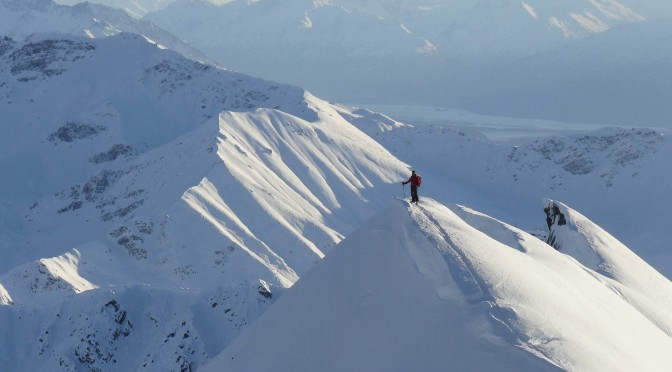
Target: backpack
x=419 y=179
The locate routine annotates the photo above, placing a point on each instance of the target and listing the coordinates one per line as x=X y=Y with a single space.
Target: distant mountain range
x=521 y=59
x=618 y=77
x=135 y=8
x=20 y=18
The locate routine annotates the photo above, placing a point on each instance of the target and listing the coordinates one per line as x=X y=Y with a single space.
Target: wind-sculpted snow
x=432 y=288
x=5 y=298
x=623 y=271
x=154 y=207
x=620 y=177
x=180 y=185
x=45 y=280
x=48 y=71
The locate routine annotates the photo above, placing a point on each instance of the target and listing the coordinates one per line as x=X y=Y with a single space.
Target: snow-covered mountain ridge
x=135 y=8
x=190 y=195
x=67 y=68
x=157 y=206
x=614 y=174
x=19 y=19
x=431 y=287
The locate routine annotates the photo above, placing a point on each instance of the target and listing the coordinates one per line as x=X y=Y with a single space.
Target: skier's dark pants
x=414 y=194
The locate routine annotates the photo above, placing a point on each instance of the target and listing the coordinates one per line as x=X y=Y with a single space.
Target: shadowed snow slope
x=433 y=288
x=192 y=195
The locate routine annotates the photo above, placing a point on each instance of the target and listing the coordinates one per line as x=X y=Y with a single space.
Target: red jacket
x=414 y=180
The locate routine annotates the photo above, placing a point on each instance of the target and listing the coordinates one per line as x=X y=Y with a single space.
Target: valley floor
x=496 y=128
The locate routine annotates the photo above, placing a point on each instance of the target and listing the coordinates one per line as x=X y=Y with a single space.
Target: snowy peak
x=19 y=19
x=575 y=235
x=478 y=287
x=305 y=174
x=592 y=169
x=525 y=27
x=594 y=17
x=100 y=131
x=136 y=8
x=46 y=278
x=205 y=190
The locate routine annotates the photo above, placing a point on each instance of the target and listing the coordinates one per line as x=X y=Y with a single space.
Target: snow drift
x=432 y=287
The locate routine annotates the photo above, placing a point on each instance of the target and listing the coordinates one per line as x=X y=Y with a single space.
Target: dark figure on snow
x=415 y=181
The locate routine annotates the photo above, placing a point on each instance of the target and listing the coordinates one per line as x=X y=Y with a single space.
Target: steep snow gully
x=432 y=287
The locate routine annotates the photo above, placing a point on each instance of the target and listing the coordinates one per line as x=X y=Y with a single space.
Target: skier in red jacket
x=415 y=180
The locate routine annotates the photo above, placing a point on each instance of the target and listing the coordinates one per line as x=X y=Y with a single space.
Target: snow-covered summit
x=614 y=174
x=431 y=287
x=575 y=235
x=19 y=19
x=136 y=8
x=206 y=190
x=157 y=206
x=46 y=281
x=101 y=159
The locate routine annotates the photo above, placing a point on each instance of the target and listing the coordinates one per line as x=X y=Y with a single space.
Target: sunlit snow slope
x=431 y=287
x=153 y=206
x=619 y=177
